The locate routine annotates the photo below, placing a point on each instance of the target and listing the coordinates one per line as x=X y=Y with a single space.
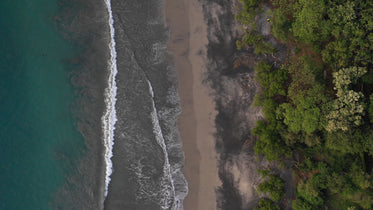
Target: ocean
x=39 y=140
x=88 y=106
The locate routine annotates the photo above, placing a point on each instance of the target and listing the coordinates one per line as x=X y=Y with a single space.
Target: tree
x=272 y=80
x=263 y=47
x=281 y=25
x=348 y=112
x=285 y=6
x=304 y=111
x=304 y=117
x=359 y=177
x=247 y=15
x=269 y=109
x=301 y=204
x=351 y=27
x=346 y=76
x=311 y=190
x=274 y=186
x=352 y=142
x=353 y=186
x=348 y=108
x=309 y=25
x=337 y=53
x=266 y=204
x=269 y=143
x=370 y=109
x=304 y=75
x=343 y=18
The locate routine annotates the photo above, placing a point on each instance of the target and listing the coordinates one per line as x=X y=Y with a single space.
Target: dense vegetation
x=318 y=105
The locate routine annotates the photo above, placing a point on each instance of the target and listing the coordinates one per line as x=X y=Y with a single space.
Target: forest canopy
x=318 y=104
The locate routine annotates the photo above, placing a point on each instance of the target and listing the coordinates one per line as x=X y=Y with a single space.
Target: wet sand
x=187 y=44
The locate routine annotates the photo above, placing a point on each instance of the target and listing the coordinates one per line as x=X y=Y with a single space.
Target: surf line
x=109 y=119
x=166 y=165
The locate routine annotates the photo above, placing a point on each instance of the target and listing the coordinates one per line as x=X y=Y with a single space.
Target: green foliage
x=281 y=25
x=250 y=3
x=301 y=204
x=329 y=130
x=270 y=143
x=262 y=47
x=304 y=117
x=285 y=6
x=262 y=70
x=312 y=140
x=351 y=29
x=347 y=112
x=348 y=108
x=274 y=186
x=289 y=138
x=309 y=25
x=266 y=204
x=253 y=38
x=239 y=44
x=271 y=80
x=347 y=142
x=247 y=15
x=297 y=50
x=340 y=184
x=343 y=18
x=269 y=109
x=310 y=193
x=370 y=109
x=368 y=78
x=362 y=198
x=264 y=173
x=337 y=53
x=347 y=76
x=311 y=190
x=359 y=177
x=304 y=74
x=369 y=142
x=353 y=186
x=304 y=111
x=258 y=100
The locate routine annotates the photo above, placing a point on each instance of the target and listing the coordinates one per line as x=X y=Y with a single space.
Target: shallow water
x=147 y=154
x=53 y=73
x=39 y=141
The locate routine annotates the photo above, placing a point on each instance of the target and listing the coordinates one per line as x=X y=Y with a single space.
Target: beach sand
x=187 y=45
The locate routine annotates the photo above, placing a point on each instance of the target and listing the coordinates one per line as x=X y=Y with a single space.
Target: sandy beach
x=187 y=45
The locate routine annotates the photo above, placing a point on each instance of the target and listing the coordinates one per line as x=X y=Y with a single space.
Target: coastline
x=147 y=155
x=187 y=44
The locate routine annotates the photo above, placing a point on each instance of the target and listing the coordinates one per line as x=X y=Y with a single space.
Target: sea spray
x=109 y=119
x=169 y=194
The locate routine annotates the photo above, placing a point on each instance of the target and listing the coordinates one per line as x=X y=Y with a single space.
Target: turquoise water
x=38 y=139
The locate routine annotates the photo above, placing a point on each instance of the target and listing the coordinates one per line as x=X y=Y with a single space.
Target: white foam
x=109 y=119
x=168 y=196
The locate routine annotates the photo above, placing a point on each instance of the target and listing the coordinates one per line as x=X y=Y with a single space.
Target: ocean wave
x=168 y=194
x=109 y=119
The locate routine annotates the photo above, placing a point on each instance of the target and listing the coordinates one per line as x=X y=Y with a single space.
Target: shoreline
x=109 y=118
x=187 y=45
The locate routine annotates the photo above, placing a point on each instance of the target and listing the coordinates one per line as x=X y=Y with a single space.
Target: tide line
x=109 y=118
